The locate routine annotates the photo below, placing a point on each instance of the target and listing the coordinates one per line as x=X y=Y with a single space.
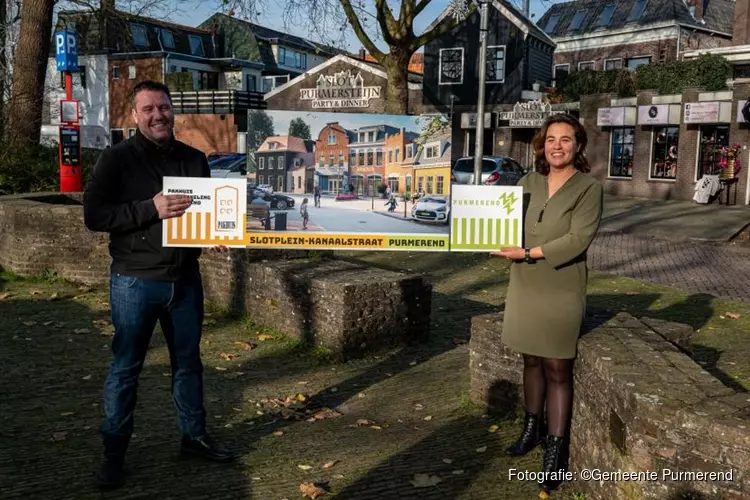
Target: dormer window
x=432 y=151
x=331 y=138
x=196 y=46
x=551 y=23
x=167 y=38
x=577 y=21
x=637 y=11
x=273 y=146
x=140 y=36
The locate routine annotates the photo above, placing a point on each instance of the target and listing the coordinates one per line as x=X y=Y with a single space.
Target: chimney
x=741 y=30
x=362 y=54
x=696 y=9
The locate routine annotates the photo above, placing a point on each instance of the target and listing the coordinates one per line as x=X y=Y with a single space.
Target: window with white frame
x=280 y=162
x=271 y=82
x=379 y=157
x=341 y=160
x=271 y=163
x=451 y=70
x=196 y=46
x=140 y=35
x=261 y=163
x=115 y=72
x=331 y=138
x=561 y=71
x=390 y=156
x=410 y=150
x=440 y=185
x=586 y=65
x=621 y=157
x=634 y=62
x=496 y=64
x=131 y=72
x=612 y=64
x=432 y=151
x=398 y=155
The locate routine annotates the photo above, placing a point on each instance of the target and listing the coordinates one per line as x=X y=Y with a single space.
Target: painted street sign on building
x=340 y=90
x=66 y=51
x=486 y=218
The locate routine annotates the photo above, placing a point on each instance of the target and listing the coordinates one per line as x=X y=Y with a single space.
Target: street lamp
x=460 y=10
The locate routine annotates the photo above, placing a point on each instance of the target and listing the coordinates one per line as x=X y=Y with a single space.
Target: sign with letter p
x=66 y=51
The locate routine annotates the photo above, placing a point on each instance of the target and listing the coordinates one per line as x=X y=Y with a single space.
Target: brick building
x=615 y=34
x=332 y=158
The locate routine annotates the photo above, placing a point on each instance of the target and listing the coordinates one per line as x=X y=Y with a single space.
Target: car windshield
x=466 y=165
x=224 y=163
x=434 y=200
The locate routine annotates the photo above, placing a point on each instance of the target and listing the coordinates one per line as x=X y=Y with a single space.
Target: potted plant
x=730 y=163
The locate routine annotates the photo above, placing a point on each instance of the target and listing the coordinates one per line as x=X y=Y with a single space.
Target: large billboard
x=358 y=181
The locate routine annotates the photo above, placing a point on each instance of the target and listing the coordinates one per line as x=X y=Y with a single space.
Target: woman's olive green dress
x=546 y=300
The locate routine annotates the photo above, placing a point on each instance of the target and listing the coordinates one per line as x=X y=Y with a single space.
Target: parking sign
x=66 y=51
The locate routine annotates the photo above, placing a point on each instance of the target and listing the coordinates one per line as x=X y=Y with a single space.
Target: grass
x=53 y=381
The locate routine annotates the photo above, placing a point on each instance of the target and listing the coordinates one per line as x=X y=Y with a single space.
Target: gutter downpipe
x=679 y=38
x=165 y=61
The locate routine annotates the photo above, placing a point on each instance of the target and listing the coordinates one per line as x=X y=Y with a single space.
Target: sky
x=352 y=121
x=194 y=12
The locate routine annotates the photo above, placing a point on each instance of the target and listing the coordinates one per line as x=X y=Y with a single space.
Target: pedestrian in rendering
x=546 y=299
x=303 y=212
x=316 y=195
x=149 y=282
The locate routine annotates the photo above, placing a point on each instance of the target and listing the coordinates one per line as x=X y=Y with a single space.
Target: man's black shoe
x=110 y=475
x=207 y=448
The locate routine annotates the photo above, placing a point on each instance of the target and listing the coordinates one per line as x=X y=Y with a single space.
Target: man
x=316 y=194
x=149 y=282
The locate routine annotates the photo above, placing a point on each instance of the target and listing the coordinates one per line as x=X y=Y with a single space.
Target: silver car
x=496 y=171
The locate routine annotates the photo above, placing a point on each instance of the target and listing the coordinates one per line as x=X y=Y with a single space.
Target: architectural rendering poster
x=346 y=181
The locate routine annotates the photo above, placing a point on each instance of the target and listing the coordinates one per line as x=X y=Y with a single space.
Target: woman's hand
x=513 y=253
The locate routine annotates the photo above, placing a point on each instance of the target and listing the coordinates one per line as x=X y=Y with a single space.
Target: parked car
x=278 y=201
x=496 y=171
x=265 y=187
x=431 y=208
x=220 y=154
x=229 y=167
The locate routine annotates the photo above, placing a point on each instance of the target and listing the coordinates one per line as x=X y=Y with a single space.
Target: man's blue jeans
x=137 y=304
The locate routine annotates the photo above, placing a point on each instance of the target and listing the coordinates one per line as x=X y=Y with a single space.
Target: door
x=280 y=183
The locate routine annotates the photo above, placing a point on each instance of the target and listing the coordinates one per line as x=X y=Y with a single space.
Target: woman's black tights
x=552 y=378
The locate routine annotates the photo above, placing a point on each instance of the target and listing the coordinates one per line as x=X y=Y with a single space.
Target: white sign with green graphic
x=485 y=218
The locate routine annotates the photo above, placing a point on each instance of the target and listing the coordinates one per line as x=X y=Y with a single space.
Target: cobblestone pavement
x=721 y=271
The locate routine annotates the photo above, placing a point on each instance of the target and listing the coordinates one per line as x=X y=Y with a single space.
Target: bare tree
x=332 y=16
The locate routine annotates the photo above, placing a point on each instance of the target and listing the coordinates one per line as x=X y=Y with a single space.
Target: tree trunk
x=396 y=65
x=3 y=62
x=30 y=68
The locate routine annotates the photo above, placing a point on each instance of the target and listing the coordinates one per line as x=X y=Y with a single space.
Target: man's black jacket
x=119 y=200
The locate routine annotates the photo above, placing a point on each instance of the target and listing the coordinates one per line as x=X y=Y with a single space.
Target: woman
x=547 y=293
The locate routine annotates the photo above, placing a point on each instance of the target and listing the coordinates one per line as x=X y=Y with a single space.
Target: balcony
x=216 y=101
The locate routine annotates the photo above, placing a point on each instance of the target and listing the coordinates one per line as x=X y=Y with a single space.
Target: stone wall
x=351 y=309
x=640 y=404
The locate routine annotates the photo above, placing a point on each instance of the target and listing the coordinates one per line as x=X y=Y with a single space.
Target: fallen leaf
x=87 y=377
x=227 y=357
x=338 y=476
x=428 y=418
x=482 y=449
x=47 y=323
x=447 y=461
x=58 y=436
x=29 y=323
x=733 y=315
x=304 y=467
x=325 y=413
x=221 y=368
x=244 y=345
x=81 y=330
x=543 y=495
x=418 y=407
x=413 y=363
x=278 y=433
x=330 y=464
x=363 y=422
x=5 y=295
x=457 y=472
x=35 y=292
x=376 y=427
x=425 y=481
x=311 y=490
x=67 y=413
x=54 y=296
x=493 y=428
x=300 y=397
x=264 y=336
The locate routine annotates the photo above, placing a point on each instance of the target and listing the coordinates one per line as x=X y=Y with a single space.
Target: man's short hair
x=149 y=85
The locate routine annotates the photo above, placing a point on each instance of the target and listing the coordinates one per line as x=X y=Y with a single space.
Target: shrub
x=33 y=169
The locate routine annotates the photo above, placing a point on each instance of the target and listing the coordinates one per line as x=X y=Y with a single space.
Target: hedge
x=707 y=71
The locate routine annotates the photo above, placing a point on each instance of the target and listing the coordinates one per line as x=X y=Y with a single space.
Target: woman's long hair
x=579 y=159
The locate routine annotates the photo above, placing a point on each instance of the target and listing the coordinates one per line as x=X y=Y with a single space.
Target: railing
x=216 y=101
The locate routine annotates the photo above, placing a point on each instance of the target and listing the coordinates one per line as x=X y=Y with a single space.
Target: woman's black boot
x=555 y=463
x=531 y=436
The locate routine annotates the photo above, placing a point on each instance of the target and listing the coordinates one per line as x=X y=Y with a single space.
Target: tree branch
x=439 y=30
x=421 y=6
x=360 y=32
x=387 y=22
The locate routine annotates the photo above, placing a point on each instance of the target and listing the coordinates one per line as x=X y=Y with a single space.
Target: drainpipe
x=679 y=36
x=165 y=61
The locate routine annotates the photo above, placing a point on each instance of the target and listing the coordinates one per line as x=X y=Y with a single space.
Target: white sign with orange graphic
x=216 y=217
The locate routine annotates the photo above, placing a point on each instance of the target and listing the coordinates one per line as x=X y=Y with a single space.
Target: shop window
x=393 y=184
x=664 y=153
x=621 y=155
x=713 y=138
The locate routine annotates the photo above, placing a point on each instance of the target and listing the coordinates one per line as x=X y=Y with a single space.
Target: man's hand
x=219 y=249
x=513 y=253
x=173 y=205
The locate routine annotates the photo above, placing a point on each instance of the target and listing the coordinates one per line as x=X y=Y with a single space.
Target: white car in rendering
x=431 y=208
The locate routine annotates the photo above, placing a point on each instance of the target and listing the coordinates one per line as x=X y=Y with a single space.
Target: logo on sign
x=340 y=90
x=227 y=208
